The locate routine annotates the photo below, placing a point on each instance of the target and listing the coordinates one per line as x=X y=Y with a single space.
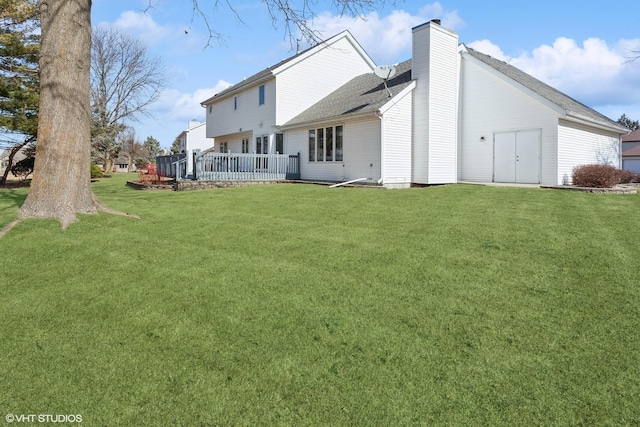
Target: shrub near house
x=601 y=176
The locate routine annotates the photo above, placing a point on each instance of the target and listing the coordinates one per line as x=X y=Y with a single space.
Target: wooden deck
x=232 y=167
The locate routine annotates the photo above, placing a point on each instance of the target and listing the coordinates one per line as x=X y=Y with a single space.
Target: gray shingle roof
x=362 y=94
x=633 y=136
x=570 y=105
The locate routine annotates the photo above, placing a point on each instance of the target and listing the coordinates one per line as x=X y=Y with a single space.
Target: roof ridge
x=550 y=93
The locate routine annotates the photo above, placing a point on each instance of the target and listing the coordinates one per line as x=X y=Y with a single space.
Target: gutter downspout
x=381 y=117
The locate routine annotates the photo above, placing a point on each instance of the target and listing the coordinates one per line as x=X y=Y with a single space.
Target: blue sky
x=581 y=50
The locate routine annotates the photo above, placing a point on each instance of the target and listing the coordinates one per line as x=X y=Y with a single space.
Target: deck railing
x=246 y=167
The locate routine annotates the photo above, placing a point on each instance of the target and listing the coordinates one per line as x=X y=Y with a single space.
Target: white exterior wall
x=361 y=139
x=396 y=144
x=489 y=104
x=196 y=138
x=234 y=142
x=222 y=119
x=307 y=82
x=580 y=145
x=435 y=104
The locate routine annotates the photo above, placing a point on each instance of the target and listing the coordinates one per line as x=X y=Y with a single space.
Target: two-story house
x=448 y=114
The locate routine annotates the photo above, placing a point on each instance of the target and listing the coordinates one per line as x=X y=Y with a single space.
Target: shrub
x=599 y=176
x=96 y=172
x=626 y=176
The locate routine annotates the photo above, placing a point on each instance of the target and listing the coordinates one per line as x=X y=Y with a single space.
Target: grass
x=301 y=305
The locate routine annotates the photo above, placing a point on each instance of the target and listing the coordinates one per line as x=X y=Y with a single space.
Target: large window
x=338 y=143
x=262 y=144
x=326 y=144
x=312 y=145
x=261 y=95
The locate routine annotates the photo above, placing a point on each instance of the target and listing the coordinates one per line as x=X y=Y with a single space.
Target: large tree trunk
x=60 y=187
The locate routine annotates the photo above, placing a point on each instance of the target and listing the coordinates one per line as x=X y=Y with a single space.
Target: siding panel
x=580 y=145
x=224 y=120
x=488 y=105
x=361 y=152
x=396 y=150
x=306 y=83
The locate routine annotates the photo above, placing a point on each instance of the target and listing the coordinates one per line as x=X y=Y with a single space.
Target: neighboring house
x=448 y=114
x=194 y=139
x=4 y=158
x=121 y=164
x=631 y=151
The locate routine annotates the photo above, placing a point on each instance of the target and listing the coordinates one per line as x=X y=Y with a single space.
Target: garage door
x=516 y=157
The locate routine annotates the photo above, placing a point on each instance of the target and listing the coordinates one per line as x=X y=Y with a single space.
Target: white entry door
x=516 y=157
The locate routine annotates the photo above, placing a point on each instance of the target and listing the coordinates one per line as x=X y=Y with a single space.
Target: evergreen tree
x=19 y=83
x=628 y=123
x=153 y=148
x=175 y=147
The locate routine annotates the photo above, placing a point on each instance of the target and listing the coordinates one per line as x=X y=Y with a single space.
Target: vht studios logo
x=42 y=418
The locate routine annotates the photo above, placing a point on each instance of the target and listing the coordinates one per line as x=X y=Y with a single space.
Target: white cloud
x=174 y=105
x=143 y=27
x=385 y=38
x=487 y=47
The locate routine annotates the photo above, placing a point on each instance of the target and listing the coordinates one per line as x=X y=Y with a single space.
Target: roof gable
x=571 y=107
x=270 y=72
x=364 y=94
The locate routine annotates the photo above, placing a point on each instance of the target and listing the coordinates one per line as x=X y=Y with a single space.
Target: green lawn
x=304 y=305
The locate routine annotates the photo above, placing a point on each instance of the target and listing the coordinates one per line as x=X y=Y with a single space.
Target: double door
x=516 y=157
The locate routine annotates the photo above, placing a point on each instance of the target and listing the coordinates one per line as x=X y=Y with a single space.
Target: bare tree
x=125 y=81
x=132 y=149
x=61 y=179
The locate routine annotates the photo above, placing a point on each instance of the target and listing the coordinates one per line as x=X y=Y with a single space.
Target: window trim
x=279 y=141
x=261 y=95
x=319 y=146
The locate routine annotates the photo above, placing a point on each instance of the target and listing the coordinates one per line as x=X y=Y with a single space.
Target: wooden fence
x=171 y=166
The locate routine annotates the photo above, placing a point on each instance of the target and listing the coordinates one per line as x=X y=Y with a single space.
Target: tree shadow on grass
x=11 y=198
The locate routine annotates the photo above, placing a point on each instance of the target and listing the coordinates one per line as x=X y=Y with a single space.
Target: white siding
x=489 y=104
x=222 y=119
x=361 y=152
x=307 y=82
x=396 y=143
x=234 y=142
x=581 y=145
x=196 y=138
x=435 y=67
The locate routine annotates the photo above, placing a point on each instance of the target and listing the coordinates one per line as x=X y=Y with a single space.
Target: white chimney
x=435 y=68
